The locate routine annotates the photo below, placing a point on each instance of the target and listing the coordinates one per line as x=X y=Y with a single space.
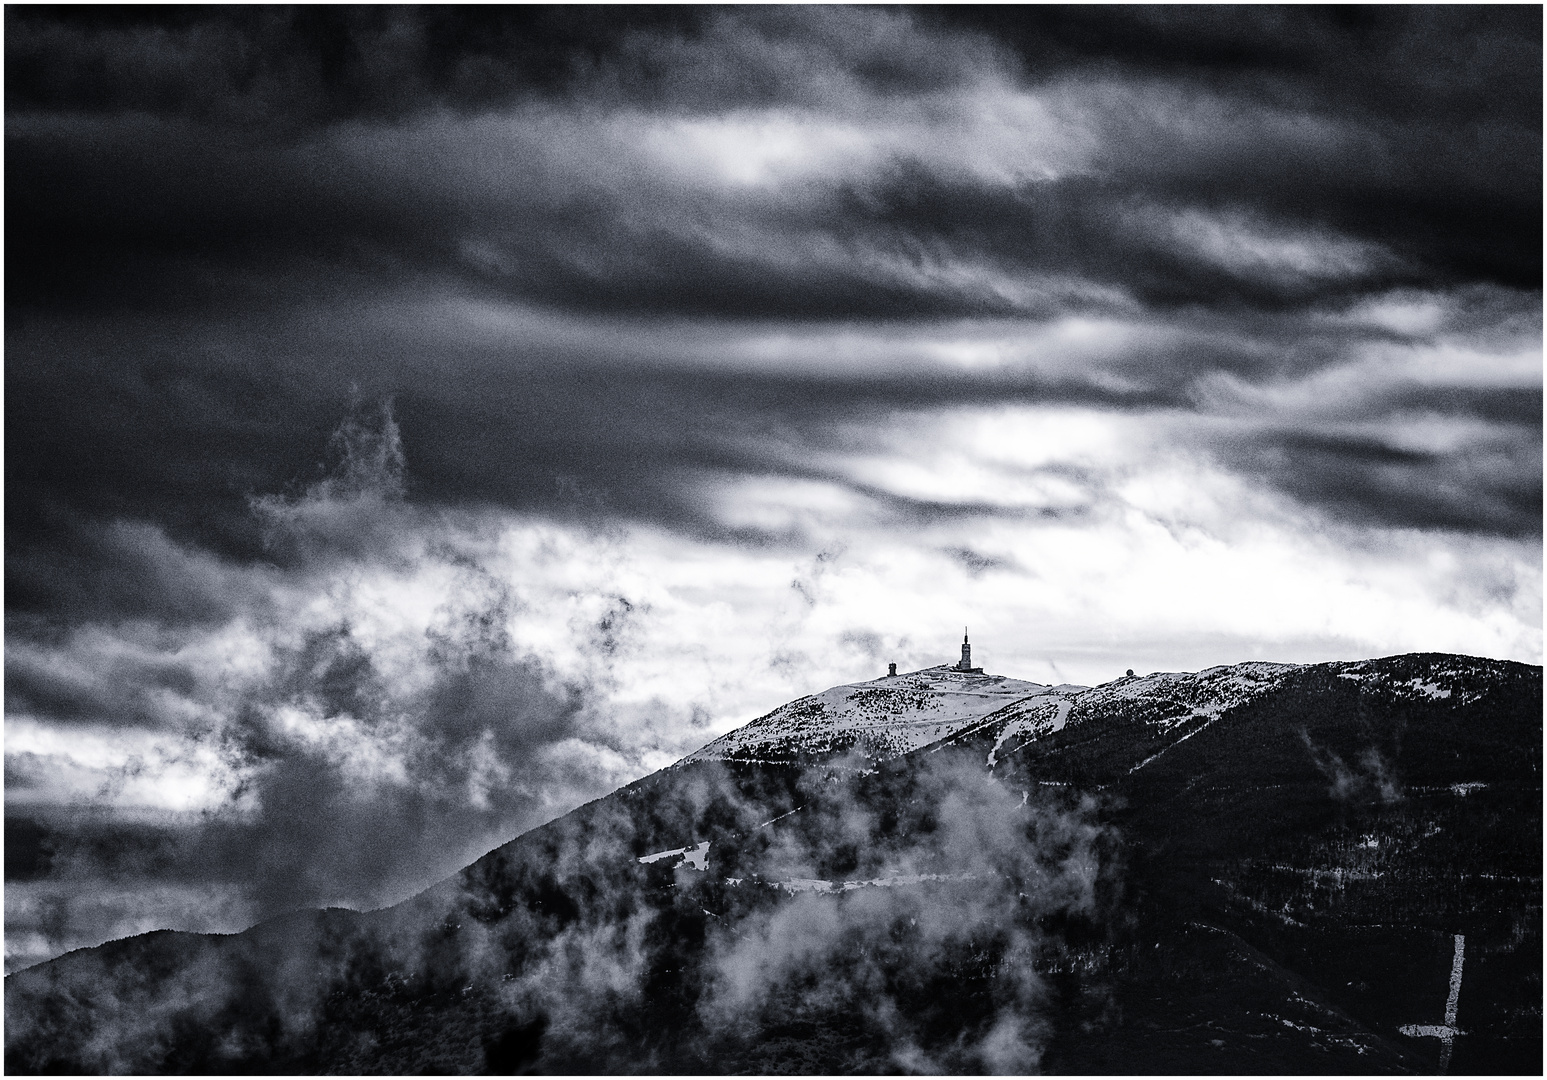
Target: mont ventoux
x=1330 y=868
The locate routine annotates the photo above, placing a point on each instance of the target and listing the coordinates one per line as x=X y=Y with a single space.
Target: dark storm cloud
x=124 y=695
x=1493 y=487
x=1235 y=165
x=141 y=212
x=224 y=158
x=1427 y=93
x=276 y=69
x=78 y=568
x=182 y=430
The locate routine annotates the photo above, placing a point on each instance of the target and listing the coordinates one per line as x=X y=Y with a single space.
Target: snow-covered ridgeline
x=884 y=717
x=894 y=715
x=1167 y=699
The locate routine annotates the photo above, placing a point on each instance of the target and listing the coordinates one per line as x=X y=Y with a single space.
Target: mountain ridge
x=884 y=717
x=1109 y=879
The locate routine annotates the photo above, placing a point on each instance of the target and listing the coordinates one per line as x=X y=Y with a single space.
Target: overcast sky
x=421 y=422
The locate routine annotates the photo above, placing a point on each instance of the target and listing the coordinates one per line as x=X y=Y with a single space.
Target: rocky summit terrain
x=1329 y=868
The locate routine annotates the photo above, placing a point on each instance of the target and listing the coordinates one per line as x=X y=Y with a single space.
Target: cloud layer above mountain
x=420 y=421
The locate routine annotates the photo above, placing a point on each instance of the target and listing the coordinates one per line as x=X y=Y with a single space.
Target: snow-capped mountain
x=882 y=718
x=897 y=714
x=1257 y=868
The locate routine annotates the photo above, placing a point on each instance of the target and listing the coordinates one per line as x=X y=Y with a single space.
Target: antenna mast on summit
x=966 y=660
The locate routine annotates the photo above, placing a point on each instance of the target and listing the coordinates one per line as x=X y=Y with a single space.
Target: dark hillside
x=1345 y=829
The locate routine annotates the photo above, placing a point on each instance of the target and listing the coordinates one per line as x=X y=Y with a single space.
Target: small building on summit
x=965 y=663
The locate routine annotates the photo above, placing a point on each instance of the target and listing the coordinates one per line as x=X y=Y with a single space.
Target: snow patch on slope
x=1035 y=718
x=697 y=857
x=1441 y=682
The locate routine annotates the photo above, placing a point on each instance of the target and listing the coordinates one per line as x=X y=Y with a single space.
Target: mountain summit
x=1327 y=868
x=882 y=718
x=897 y=714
